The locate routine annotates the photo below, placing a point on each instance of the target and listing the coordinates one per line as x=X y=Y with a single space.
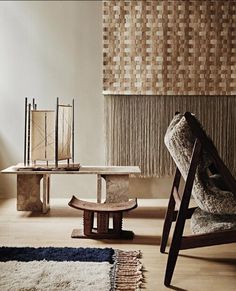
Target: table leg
x=28 y=193
x=117 y=188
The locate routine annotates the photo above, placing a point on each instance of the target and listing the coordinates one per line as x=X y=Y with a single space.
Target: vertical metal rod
x=25 y=133
x=99 y=188
x=48 y=198
x=56 y=135
x=33 y=106
x=73 y=131
x=45 y=190
x=62 y=127
x=45 y=136
x=28 y=144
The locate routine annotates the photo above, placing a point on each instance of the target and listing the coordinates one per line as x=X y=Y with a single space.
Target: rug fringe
x=127 y=271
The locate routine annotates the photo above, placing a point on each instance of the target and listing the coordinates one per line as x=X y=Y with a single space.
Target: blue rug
x=70 y=269
x=28 y=254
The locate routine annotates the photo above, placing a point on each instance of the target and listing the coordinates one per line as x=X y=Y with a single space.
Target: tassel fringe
x=135 y=128
x=126 y=274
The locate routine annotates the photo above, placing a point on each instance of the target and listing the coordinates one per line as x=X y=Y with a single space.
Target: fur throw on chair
x=209 y=191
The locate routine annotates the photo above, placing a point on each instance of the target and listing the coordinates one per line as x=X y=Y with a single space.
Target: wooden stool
x=103 y=211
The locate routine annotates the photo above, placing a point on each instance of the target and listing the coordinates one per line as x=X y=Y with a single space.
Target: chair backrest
x=211 y=150
x=210 y=193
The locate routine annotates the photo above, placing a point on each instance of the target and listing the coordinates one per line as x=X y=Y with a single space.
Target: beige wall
x=50 y=49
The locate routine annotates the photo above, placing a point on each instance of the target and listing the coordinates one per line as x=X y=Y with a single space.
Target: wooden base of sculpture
x=103 y=211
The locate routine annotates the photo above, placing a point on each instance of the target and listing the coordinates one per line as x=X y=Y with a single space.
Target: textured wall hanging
x=170 y=47
x=166 y=49
x=135 y=128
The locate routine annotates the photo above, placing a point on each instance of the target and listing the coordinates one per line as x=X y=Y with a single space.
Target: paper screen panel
x=43 y=135
x=64 y=132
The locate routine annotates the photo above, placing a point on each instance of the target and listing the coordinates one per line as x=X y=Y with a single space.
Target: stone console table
x=28 y=184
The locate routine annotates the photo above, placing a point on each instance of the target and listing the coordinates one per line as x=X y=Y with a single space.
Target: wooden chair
x=178 y=208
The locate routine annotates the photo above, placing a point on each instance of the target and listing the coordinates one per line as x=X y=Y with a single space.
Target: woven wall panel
x=169 y=47
x=136 y=125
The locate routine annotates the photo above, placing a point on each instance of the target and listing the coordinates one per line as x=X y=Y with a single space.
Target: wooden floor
x=212 y=268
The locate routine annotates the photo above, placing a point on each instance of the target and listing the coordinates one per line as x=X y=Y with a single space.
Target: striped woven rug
x=69 y=269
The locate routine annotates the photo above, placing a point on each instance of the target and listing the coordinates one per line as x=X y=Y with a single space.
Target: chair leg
x=182 y=215
x=167 y=224
x=176 y=240
x=169 y=213
x=170 y=267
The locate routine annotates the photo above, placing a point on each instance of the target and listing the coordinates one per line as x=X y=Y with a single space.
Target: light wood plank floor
x=211 y=268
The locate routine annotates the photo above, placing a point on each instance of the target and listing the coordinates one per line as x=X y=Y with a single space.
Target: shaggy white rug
x=69 y=269
x=44 y=275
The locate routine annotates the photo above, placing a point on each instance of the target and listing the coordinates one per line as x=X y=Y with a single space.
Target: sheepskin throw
x=205 y=222
x=179 y=140
x=216 y=203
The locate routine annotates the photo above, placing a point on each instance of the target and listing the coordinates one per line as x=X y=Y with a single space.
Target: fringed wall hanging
x=135 y=128
x=165 y=56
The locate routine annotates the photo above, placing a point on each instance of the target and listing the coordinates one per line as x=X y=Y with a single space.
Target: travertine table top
x=101 y=170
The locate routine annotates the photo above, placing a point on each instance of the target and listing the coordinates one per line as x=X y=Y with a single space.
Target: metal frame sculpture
x=49 y=136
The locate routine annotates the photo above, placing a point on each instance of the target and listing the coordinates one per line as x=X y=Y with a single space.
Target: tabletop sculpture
x=49 y=137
